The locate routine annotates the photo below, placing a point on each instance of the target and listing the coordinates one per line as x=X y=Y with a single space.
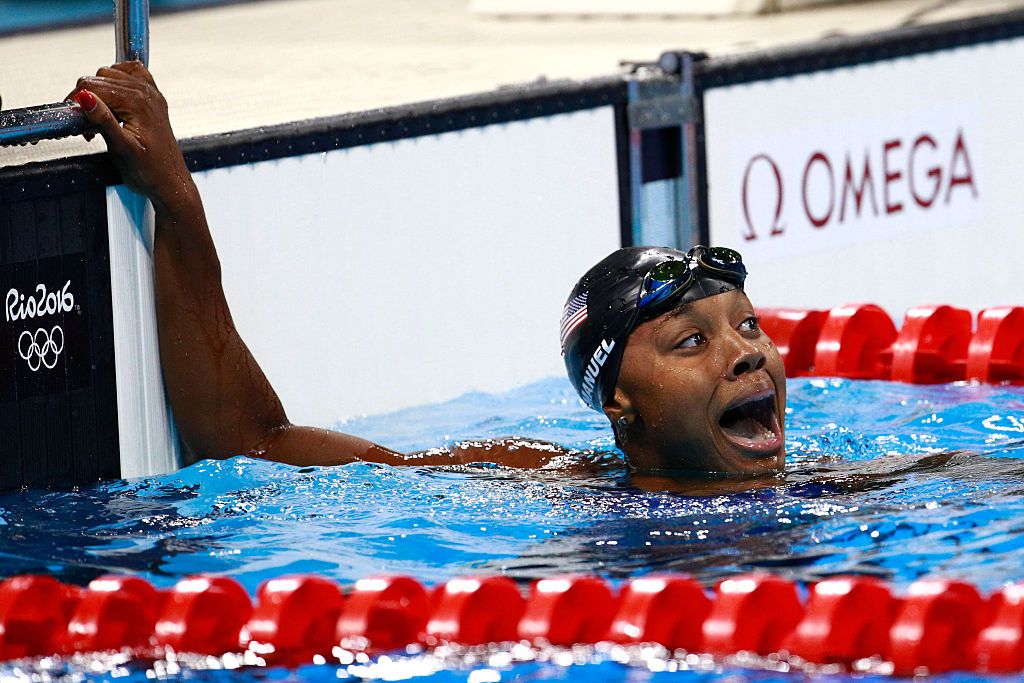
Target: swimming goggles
x=675 y=276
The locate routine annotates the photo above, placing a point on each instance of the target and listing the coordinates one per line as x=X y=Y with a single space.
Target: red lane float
x=795 y=333
x=935 y=627
x=751 y=613
x=931 y=347
x=203 y=615
x=938 y=626
x=387 y=612
x=996 y=353
x=568 y=610
x=34 y=612
x=935 y=344
x=473 y=611
x=1000 y=647
x=114 y=612
x=664 y=609
x=852 y=341
x=294 y=619
x=846 y=619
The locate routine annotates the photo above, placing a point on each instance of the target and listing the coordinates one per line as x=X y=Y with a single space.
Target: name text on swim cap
x=594 y=366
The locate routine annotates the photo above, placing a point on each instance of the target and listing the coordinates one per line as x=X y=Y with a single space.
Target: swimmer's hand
x=123 y=104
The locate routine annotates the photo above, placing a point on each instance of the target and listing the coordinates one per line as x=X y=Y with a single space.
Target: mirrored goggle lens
x=723 y=260
x=664 y=280
x=669 y=270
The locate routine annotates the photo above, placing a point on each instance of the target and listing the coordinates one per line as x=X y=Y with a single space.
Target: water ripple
x=892 y=480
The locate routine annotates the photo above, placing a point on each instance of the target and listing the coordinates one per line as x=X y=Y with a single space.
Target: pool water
x=892 y=480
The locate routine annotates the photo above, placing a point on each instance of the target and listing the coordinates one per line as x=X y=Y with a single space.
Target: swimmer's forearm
x=304 y=446
x=181 y=226
x=509 y=452
x=223 y=403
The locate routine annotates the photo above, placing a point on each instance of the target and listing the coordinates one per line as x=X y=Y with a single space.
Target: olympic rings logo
x=41 y=348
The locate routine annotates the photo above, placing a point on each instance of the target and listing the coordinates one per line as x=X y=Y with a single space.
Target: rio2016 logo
x=41 y=348
x=42 y=302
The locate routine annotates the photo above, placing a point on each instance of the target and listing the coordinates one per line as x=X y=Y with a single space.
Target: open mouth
x=752 y=424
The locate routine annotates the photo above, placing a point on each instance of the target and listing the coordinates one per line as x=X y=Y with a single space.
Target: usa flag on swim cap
x=573 y=315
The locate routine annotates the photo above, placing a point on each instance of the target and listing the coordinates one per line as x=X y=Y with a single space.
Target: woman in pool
x=665 y=343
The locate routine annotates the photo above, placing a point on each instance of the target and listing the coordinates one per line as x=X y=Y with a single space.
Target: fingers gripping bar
x=61 y=119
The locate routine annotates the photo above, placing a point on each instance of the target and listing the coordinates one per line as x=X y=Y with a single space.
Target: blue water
x=892 y=480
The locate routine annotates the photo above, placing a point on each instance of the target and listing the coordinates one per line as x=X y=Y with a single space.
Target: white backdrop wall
x=896 y=182
x=378 y=277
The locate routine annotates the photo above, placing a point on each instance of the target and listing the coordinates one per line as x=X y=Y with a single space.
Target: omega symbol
x=41 y=348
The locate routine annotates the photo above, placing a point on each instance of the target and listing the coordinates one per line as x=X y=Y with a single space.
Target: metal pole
x=689 y=209
x=131 y=18
x=31 y=124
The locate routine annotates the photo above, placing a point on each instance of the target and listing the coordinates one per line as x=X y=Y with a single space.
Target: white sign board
x=369 y=279
x=895 y=182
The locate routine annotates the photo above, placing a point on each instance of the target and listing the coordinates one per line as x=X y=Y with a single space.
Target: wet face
x=703 y=389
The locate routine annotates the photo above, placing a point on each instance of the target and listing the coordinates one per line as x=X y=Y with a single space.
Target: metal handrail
x=31 y=124
x=132 y=30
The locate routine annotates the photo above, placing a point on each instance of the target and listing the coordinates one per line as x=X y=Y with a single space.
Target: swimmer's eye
x=750 y=324
x=693 y=341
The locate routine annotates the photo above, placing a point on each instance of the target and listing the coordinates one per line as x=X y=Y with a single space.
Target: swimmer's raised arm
x=223 y=403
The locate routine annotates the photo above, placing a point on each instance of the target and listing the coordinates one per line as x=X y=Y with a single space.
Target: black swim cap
x=602 y=309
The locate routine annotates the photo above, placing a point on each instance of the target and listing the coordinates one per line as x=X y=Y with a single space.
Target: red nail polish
x=86 y=100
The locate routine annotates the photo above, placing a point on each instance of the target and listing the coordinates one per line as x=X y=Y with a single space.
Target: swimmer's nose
x=749 y=358
x=754 y=361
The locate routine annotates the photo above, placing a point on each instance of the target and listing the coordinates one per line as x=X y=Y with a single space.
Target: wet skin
x=682 y=371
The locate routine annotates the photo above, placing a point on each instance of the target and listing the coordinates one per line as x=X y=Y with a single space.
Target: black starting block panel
x=58 y=404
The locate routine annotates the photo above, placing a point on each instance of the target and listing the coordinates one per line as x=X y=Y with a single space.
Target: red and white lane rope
x=847 y=622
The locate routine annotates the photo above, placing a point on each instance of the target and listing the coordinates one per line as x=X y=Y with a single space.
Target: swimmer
x=664 y=343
